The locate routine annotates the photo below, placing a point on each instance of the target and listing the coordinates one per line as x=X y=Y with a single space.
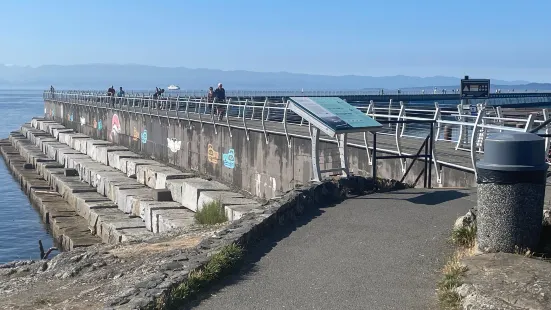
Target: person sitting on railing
x=220 y=97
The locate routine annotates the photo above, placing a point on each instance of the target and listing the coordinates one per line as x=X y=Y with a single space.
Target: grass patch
x=464 y=236
x=211 y=213
x=220 y=264
x=453 y=273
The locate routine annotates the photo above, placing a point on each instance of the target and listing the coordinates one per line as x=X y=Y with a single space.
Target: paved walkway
x=381 y=251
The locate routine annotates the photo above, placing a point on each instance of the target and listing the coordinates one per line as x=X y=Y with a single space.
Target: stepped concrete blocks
x=85 y=208
x=150 y=206
x=63 y=153
x=156 y=176
x=130 y=165
x=93 y=173
x=85 y=197
x=92 y=144
x=103 y=177
x=114 y=158
x=175 y=188
x=235 y=212
x=127 y=197
x=79 y=144
x=113 y=187
x=225 y=198
x=99 y=215
x=71 y=160
x=108 y=229
x=58 y=131
x=69 y=138
x=170 y=219
x=101 y=153
x=192 y=188
x=52 y=127
x=132 y=234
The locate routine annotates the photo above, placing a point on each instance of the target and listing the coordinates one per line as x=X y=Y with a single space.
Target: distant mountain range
x=140 y=77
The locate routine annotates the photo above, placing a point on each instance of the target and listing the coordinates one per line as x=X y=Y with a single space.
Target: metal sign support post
x=343 y=154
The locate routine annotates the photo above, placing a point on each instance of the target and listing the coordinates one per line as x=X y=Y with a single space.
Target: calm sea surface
x=20 y=224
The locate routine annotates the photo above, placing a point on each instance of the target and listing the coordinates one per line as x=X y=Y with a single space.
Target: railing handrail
x=277 y=111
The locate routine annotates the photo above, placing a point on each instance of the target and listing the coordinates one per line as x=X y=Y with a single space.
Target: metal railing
x=471 y=124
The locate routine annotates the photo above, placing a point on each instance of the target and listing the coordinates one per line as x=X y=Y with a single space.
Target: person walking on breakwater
x=121 y=92
x=52 y=91
x=220 y=97
x=210 y=95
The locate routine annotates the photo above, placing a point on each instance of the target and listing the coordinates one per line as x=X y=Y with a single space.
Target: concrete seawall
x=263 y=165
x=91 y=191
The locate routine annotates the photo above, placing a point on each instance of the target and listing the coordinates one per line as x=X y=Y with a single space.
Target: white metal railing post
x=437 y=118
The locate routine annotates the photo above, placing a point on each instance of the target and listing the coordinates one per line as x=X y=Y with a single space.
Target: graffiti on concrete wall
x=173 y=144
x=115 y=127
x=212 y=155
x=144 y=136
x=229 y=159
x=100 y=124
x=70 y=117
x=135 y=134
x=82 y=121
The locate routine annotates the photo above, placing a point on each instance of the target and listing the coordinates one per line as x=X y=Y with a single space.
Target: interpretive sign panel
x=475 y=89
x=333 y=115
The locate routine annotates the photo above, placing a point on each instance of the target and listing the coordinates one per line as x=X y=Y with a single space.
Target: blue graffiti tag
x=71 y=118
x=100 y=124
x=229 y=159
x=144 y=136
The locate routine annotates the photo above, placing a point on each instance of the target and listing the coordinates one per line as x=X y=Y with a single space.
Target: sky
x=507 y=39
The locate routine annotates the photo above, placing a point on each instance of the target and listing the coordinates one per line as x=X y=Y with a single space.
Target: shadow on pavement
x=428 y=197
x=259 y=249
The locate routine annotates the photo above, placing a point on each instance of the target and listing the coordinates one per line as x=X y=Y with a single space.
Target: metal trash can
x=511 y=188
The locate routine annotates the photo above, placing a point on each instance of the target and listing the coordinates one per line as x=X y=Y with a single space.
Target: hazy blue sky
x=500 y=39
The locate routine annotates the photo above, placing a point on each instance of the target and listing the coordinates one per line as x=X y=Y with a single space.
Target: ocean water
x=20 y=224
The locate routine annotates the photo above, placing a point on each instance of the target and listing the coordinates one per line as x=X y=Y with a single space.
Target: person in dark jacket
x=220 y=97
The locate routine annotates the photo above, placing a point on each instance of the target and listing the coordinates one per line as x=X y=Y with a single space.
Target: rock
x=465 y=220
x=505 y=281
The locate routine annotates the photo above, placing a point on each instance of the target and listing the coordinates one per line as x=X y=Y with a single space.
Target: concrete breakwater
x=148 y=269
x=91 y=191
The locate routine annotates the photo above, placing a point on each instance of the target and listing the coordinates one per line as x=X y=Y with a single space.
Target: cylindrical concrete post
x=511 y=188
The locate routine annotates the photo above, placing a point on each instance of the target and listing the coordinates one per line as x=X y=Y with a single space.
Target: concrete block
x=226 y=199
x=124 y=192
x=86 y=197
x=85 y=208
x=134 y=202
x=71 y=137
x=90 y=149
x=235 y=212
x=99 y=215
x=62 y=153
x=162 y=195
x=69 y=172
x=175 y=188
x=70 y=159
x=102 y=179
x=109 y=227
x=114 y=158
x=89 y=173
x=129 y=165
x=57 y=131
x=147 y=207
x=112 y=186
x=101 y=153
x=54 y=126
x=167 y=220
x=192 y=188
x=133 y=234
x=155 y=176
x=79 y=144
